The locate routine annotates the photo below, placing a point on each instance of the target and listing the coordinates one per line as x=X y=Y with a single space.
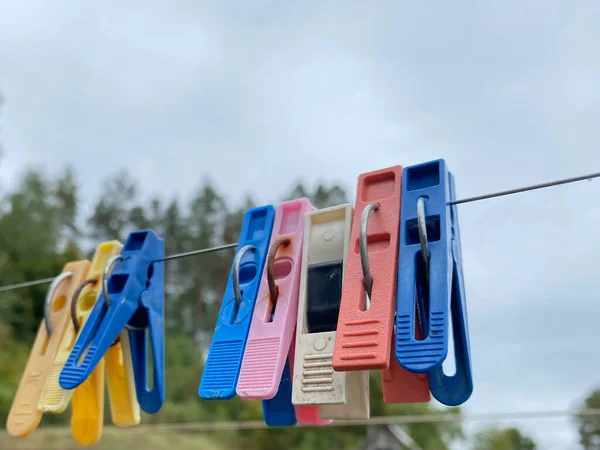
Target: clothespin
x=24 y=415
x=430 y=270
x=456 y=389
x=401 y=386
x=306 y=414
x=87 y=404
x=120 y=380
x=279 y=410
x=341 y=395
x=54 y=398
x=132 y=298
x=274 y=319
x=364 y=330
x=224 y=360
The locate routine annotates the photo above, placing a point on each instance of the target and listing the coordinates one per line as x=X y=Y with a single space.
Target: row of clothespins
x=315 y=299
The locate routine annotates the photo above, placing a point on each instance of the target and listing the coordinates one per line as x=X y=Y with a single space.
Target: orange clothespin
x=364 y=331
x=365 y=336
x=24 y=415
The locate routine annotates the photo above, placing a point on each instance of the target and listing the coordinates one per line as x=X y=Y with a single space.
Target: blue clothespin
x=430 y=271
x=222 y=367
x=456 y=389
x=426 y=184
x=135 y=301
x=279 y=410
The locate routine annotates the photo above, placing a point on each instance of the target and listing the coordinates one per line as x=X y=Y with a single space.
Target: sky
x=259 y=94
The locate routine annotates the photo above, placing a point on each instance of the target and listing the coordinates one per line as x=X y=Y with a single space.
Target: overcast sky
x=266 y=92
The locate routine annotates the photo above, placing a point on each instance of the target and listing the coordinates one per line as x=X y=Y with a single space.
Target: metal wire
x=196 y=252
x=26 y=284
x=227 y=246
x=533 y=187
x=378 y=420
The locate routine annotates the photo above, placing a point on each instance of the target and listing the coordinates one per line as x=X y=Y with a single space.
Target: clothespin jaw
x=425 y=268
x=222 y=368
x=120 y=381
x=279 y=410
x=135 y=291
x=456 y=389
x=401 y=386
x=340 y=395
x=87 y=404
x=24 y=415
x=274 y=319
x=363 y=338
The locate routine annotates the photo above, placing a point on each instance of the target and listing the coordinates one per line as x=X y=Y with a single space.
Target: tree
x=503 y=439
x=589 y=426
x=36 y=241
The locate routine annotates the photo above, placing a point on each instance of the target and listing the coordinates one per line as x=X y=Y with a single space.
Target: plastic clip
x=120 y=382
x=222 y=368
x=430 y=270
x=341 y=395
x=364 y=331
x=54 y=398
x=274 y=318
x=24 y=415
x=455 y=389
x=279 y=410
x=136 y=301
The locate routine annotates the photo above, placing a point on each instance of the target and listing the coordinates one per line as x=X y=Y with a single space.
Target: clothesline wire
x=233 y=245
x=373 y=421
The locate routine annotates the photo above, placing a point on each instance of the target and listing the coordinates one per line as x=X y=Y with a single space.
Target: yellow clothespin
x=54 y=398
x=24 y=415
x=124 y=406
x=87 y=418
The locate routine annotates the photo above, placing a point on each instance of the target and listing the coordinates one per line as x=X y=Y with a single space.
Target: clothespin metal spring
x=362 y=243
x=49 y=295
x=237 y=262
x=76 y=294
x=273 y=289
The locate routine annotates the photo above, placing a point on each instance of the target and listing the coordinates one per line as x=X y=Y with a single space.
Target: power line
x=233 y=245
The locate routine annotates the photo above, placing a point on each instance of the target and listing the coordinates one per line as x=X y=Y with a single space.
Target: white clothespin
x=340 y=395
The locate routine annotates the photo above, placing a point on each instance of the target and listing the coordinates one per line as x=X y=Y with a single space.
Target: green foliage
x=589 y=426
x=503 y=439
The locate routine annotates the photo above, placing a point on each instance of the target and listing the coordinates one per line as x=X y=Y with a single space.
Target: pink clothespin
x=275 y=314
